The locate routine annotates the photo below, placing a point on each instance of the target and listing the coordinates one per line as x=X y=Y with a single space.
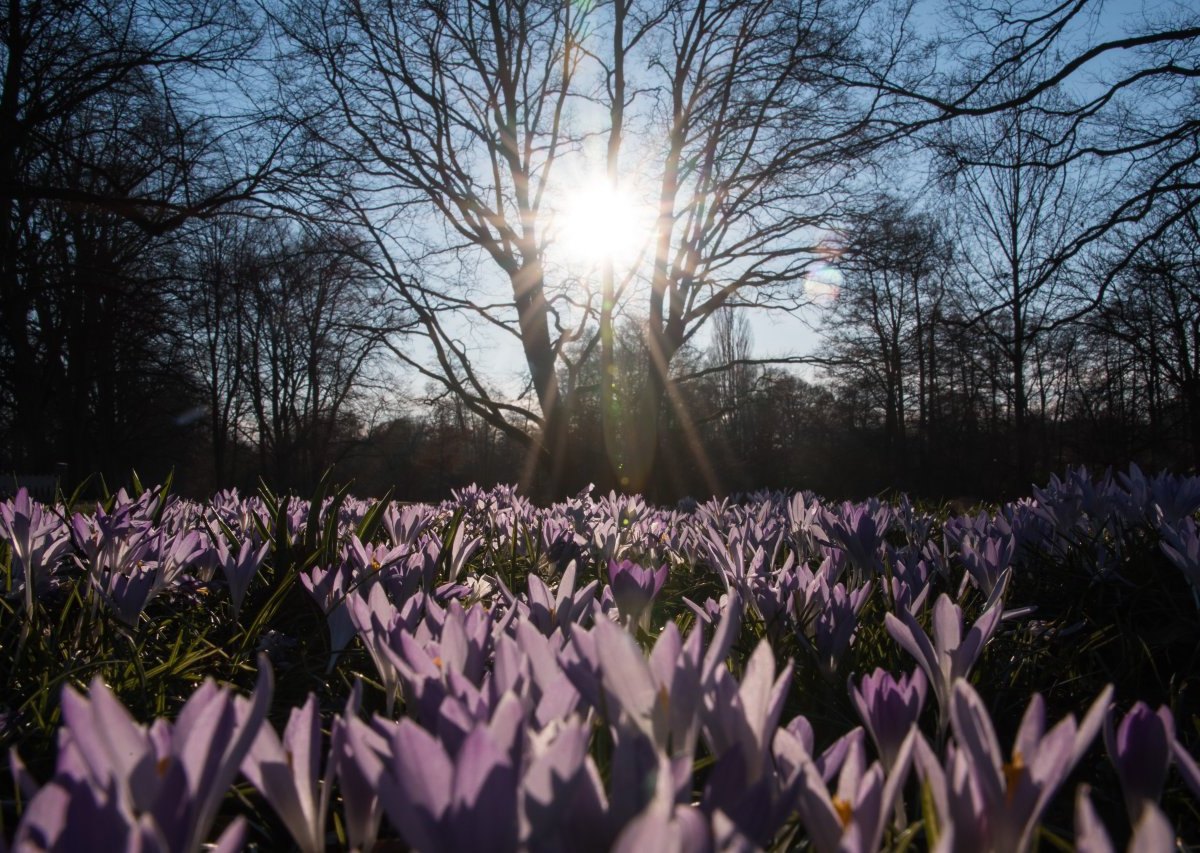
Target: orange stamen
x=844 y=810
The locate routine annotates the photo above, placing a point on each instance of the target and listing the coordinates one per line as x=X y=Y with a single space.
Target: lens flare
x=823 y=283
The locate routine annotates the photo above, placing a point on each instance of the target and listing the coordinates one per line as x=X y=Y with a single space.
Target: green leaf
x=373 y=517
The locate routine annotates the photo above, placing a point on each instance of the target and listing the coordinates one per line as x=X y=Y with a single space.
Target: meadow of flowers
x=776 y=672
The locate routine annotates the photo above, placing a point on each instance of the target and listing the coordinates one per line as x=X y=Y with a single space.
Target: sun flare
x=601 y=222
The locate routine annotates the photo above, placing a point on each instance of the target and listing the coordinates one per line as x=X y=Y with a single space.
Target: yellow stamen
x=162 y=765
x=438 y=662
x=1012 y=774
x=375 y=566
x=844 y=810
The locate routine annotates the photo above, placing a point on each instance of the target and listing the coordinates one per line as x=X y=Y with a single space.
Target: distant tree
x=119 y=121
x=1018 y=222
x=1153 y=312
x=731 y=349
x=220 y=263
x=881 y=324
x=310 y=342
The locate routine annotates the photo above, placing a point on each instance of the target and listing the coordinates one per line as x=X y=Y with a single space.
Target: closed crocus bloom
x=1140 y=749
x=634 y=589
x=889 y=708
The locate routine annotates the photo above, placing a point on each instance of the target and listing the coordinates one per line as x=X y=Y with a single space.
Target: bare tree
x=731 y=348
x=310 y=341
x=221 y=263
x=1114 y=87
x=882 y=324
x=1019 y=219
x=114 y=115
x=729 y=118
x=1154 y=315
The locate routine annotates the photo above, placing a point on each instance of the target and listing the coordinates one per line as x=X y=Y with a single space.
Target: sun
x=601 y=222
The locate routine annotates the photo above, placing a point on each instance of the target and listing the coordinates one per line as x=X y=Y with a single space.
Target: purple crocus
x=330 y=588
x=659 y=697
x=561 y=801
x=889 y=708
x=380 y=624
x=634 y=589
x=665 y=825
x=240 y=568
x=38 y=540
x=950 y=655
x=745 y=716
x=1014 y=793
x=1140 y=749
x=287 y=773
x=442 y=801
x=836 y=620
x=563 y=608
x=986 y=558
x=126 y=593
x=1151 y=832
x=1181 y=543
x=158 y=787
x=853 y=819
x=361 y=810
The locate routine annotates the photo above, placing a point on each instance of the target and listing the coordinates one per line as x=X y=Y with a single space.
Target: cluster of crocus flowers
x=496 y=750
x=568 y=707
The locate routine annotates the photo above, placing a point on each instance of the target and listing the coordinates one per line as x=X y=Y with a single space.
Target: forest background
x=675 y=246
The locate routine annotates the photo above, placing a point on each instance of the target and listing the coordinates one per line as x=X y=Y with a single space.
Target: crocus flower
x=159 y=786
x=1140 y=749
x=361 y=810
x=241 y=568
x=561 y=800
x=287 y=773
x=951 y=654
x=889 y=708
x=858 y=530
x=1014 y=793
x=126 y=593
x=452 y=664
x=745 y=716
x=329 y=588
x=911 y=573
x=659 y=696
x=442 y=801
x=854 y=818
x=404 y=524
x=379 y=624
x=665 y=825
x=1152 y=832
x=560 y=609
x=836 y=621
x=1181 y=544
x=365 y=559
x=634 y=589
x=461 y=550
x=986 y=559
x=38 y=541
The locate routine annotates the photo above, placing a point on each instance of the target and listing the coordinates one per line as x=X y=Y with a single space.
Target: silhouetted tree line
x=234 y=239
